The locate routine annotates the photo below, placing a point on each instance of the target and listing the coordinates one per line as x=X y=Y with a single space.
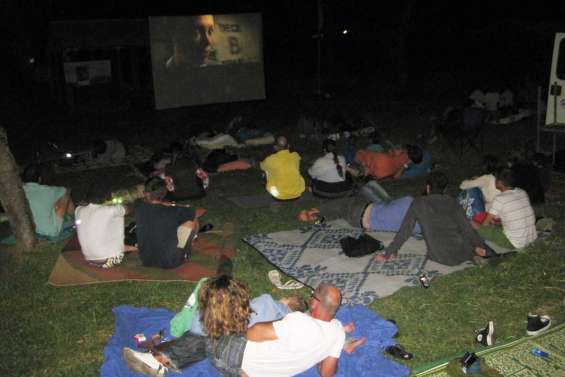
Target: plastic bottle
x=539 y=353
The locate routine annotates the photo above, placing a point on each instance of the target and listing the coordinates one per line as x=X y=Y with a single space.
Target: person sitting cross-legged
x=164 y=229
x=285 y=347
x=282 y=172
x=329 y=173
x=450 y=238
x=100 y=231
x=49 y=204
x=512 y=207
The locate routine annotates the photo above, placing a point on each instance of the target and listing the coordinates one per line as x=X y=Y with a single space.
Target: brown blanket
x=212 y=253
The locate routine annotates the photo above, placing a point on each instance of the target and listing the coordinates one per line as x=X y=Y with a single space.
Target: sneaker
x=485 y=336
x=143 y=363
x=537 y=324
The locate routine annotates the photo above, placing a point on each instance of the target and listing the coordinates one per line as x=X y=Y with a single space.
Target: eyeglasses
x=314 y=297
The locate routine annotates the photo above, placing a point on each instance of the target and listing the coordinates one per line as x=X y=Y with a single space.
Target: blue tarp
x=368 y=360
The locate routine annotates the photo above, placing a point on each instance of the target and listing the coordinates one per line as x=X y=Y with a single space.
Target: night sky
x=493 y=43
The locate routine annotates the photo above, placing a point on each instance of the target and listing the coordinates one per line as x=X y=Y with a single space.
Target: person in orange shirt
x=389 y=164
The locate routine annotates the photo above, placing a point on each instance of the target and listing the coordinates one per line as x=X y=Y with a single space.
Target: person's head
x=376 y=137
x=224 y=306
x=33 y=173
x=490 y=164
x=325 y=301
x=505 y=180
x=281 y=143
x=295 y=303
x=415 y=153
x=193 y=40
x=436 y=183
x=329 y=145
x=155 y=189
x=98 y=147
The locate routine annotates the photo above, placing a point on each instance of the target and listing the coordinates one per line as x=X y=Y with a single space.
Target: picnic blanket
x=515 y=358
x=211 y=252
x=313 y=255
x=367 y=360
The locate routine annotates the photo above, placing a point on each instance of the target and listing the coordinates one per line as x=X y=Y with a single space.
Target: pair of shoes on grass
x=536 y=325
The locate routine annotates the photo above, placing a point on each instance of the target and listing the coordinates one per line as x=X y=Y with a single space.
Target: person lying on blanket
x=100 y=231
x=264 y=309
x=389 y=164
x=450 y=238
x=285 y=347
x=164 y=229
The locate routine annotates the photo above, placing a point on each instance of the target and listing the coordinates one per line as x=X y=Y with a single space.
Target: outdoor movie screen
x=206 y=59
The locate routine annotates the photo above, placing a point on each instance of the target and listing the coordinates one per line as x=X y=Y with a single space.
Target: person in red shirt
x=389 y=164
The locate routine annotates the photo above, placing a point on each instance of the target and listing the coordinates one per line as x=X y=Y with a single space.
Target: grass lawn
x=62 y=331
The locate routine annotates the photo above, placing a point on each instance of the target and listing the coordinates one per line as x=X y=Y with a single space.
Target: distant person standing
x=193 y=42
x=282 y=172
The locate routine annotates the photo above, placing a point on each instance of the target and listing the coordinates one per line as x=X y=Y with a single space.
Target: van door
x=555 y=114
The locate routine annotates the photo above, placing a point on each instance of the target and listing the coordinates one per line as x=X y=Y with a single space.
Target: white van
x=555 y=114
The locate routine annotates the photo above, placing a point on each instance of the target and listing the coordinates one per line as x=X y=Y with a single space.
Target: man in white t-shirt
x=281 y=348
x=100 y=230
x=513 y=209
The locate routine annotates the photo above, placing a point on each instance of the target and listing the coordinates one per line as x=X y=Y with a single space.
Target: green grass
x=50 y=331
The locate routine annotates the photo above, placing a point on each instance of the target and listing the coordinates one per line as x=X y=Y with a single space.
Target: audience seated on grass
x=100 y=230
x=512 y=208
x=185 y=180
x=284 y=347
x=486 y=182
x=329 y=178
x=165 y=230
x=51 y=206
x=389 y=164
x=450 y=238
x=282 y=172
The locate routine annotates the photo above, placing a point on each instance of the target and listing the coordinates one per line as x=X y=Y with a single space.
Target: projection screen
x=206 y=59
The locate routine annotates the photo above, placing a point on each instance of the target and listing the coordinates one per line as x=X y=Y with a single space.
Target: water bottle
x=539 y=353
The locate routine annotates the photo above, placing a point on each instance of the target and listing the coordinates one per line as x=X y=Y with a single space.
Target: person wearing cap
x=282 y=172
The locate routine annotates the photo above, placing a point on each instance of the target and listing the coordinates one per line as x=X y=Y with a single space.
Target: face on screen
x=194 y=41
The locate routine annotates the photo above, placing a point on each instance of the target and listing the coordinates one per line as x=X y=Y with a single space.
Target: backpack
x=358 y=247
x=182 y=321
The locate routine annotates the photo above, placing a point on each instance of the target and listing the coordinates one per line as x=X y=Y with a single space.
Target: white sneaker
x=144 y=363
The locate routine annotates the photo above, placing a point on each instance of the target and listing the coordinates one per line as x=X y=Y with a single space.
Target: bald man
x=282 y=172
x=281 y=348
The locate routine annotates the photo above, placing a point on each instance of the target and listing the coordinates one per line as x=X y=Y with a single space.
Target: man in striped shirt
x=513 y=209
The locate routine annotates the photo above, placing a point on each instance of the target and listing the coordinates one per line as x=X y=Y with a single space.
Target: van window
x=560 y=71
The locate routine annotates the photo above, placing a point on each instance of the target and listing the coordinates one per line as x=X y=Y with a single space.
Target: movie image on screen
x=206 y=59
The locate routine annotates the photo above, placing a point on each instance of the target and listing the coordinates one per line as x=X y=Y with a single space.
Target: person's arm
x=404 y=232
x=465 y=227
x=261 y=332
x=490 y=219
x=328 y=367
x=481 y=181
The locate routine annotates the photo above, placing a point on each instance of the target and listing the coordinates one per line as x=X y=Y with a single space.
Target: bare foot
x=480 y=251
x=350 y=327
x=352 y=345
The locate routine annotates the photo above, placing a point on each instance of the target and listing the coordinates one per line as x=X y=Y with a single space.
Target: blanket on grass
x=515 y=358
x=313 y=255
x=368 y=360
x=211 y=252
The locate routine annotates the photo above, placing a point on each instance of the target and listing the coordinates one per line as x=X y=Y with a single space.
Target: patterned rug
x=515 y=358
x=313 y=254
x=212 y=251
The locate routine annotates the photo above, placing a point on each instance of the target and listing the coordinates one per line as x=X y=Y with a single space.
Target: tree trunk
x=13 y=199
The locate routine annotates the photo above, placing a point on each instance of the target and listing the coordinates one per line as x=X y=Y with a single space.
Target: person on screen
x=193 y=42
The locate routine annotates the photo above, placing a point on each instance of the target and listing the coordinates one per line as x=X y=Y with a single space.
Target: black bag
x=358 y=247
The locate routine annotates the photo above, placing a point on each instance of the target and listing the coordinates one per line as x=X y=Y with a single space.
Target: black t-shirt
x=187 y=184
x=157 y=233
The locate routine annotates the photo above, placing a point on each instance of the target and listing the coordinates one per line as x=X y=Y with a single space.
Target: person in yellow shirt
x=282 y=171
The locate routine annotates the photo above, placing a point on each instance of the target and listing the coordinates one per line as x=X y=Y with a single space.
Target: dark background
x=429 y=51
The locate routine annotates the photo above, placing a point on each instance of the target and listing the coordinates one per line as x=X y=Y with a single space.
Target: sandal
x=275 y=278
x=398 y=352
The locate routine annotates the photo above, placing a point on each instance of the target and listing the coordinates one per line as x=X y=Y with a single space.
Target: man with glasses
x=285 y=347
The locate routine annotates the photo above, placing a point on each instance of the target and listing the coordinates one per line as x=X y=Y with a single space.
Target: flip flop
x=275 y=278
